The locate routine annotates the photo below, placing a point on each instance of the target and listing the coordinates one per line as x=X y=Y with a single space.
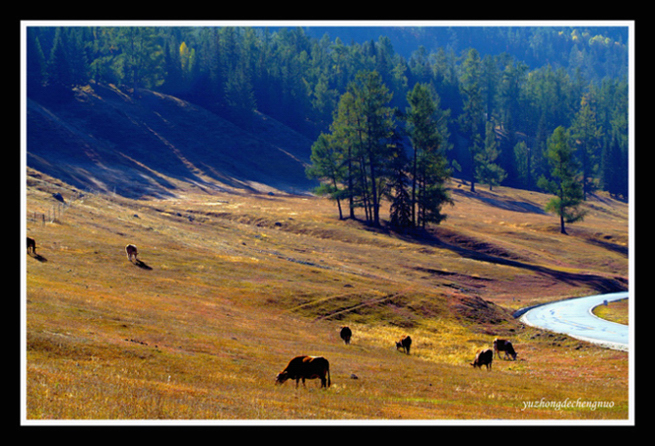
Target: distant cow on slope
x=306 y=367
x=130 y=250
x=346 y=333
x=31 y=244
x=503 y=345
x=484 y=357
x=404 y=343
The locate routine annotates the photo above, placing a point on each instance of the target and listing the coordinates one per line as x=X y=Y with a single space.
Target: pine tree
x=240 y=97
x=401 y=210
x=36 y=64
x=486 y=169
x=523 y=163
x=327 y=165
x=587 y=134
x=568 y=190
x=345 y=131
x=373 y=97
x=429 y=165
x=472 y=117
x=142 y=57
x=59 y=71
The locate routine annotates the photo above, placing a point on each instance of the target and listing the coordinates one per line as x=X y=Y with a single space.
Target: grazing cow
x=503 y=345
x=404 y=343
x=346 y=334
x=484 y=357
x=130 y=250
x=306 y=367
x=31 y=244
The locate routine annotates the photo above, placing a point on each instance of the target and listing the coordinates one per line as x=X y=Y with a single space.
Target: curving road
x=574 y=318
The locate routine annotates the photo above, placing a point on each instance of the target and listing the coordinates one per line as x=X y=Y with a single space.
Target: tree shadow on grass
x=599 y=283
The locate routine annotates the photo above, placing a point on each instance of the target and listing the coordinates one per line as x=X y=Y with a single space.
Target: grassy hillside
x=231 y=286
x=144 y=145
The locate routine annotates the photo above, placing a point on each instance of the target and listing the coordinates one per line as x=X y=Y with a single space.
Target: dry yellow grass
x=617 y=311
x=232 y=286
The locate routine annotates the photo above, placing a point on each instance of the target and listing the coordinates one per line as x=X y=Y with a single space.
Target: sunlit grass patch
x=222 y=301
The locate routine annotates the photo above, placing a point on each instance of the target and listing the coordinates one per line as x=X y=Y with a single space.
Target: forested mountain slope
x=519 y=83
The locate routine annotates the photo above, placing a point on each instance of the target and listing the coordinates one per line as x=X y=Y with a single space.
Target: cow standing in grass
x=484 y=357
x=503 y=345
x=404 y=344
x=131 y=251
x=306 y=367
x=346 y=333
x=31 y=244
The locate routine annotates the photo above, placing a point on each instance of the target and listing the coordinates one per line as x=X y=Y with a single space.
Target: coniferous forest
x=394 y=112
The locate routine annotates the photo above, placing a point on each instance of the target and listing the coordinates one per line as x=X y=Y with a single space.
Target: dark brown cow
x=503 y=345
x=404 y=343
x=306 y=367
x=130 y=250
x=31 y=244
x=346 y=333
x=484 y=357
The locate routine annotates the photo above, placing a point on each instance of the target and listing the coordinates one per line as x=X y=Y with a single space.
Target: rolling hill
x=106 y=140
x=232 y=282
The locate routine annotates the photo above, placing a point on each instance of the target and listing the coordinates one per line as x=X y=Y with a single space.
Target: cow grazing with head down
x=346 y=333
x=483 y=357
x=306 y=367
x=31 y=244
x=131 y=251
x=503 y=345
x=404 y=343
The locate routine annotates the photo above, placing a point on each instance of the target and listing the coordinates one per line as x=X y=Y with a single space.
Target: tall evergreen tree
x=429 y=165
x=173 y=80
x=59 y=70
x=141 y=56
x=401 y=209
x=328 y=166
x=587 y=134
x=487 y=171
x=373 y=97
x=472 y=118
x=77 y=54
x=36 y=64
x=347 y=134
x=523 y=163
x=490 y=78
x=568 y=191
x=239 y=96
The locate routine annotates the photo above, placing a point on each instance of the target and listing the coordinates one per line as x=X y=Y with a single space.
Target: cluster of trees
x=495 y=114
x=364 y=159
x=597 y=52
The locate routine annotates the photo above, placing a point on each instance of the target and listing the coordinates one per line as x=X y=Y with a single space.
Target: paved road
x=574 y=317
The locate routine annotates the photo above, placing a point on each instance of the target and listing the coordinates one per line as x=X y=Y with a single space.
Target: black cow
x=484 y=357
x=404 y=343
x=503 y=345
x=346 y=333
x=306 y=367
x=31 y=244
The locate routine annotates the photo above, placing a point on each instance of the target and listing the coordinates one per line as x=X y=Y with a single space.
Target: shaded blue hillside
x=107 y=140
